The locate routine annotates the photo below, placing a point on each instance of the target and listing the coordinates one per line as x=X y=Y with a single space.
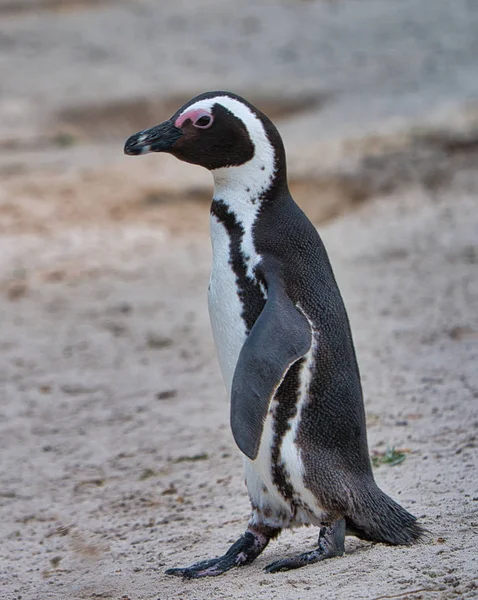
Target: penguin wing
x=279 y=338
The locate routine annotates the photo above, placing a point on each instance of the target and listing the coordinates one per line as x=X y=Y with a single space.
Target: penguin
x=283 y=342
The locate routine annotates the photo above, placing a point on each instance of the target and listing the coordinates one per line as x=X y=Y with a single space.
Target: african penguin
x=283 y=341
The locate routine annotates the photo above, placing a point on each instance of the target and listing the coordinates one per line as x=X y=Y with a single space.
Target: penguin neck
x=245 y=188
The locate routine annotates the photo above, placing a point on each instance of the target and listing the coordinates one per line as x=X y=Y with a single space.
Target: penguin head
x=221 y=132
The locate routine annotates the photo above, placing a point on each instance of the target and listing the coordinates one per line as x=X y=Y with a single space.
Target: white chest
x=225 y=307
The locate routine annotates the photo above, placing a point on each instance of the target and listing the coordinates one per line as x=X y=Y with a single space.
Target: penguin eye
x=204 y=122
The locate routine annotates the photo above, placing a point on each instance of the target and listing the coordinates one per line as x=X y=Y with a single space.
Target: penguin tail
x=378 y=518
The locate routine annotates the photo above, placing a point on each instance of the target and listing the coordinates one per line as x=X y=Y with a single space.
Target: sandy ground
x=117 y=459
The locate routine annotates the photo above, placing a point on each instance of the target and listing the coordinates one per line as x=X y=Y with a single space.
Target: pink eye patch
x=193 y=115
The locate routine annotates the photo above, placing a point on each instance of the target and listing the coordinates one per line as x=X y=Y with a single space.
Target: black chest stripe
x=250 y=294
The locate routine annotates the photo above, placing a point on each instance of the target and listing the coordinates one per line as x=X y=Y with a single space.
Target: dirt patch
x=386 y=165
x=110 y=196
x=24 y=7
x=32 y=200
x=43 y=204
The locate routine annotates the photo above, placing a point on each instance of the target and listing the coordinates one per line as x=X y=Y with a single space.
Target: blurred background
x=114 y=429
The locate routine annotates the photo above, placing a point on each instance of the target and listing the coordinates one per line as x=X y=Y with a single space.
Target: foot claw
x=275 y=567
x=286 y=564
x=178 y=572
x=205 y=568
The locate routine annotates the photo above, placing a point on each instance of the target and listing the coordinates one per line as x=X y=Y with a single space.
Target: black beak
x=157 y=139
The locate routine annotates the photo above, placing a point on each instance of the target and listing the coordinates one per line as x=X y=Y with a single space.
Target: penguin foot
x=331 y=543
x=242 y=552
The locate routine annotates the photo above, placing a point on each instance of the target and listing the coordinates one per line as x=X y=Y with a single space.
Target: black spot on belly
x=286 y=408
x=249 y=291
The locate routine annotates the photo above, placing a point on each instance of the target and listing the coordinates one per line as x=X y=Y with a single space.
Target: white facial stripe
x=256 y=174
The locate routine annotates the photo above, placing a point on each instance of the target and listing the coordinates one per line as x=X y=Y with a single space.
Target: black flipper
x=280 y=337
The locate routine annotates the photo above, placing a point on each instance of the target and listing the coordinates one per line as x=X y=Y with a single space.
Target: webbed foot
x=331 y=543
x=242 y=552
